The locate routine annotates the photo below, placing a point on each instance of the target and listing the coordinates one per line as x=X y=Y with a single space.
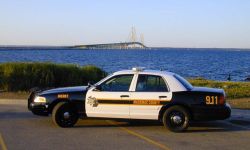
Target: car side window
x=151 y=83
x=117 y=83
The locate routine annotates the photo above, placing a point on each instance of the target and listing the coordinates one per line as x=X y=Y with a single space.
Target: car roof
x=153 y=72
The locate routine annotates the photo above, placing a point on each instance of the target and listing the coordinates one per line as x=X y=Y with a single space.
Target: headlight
x=40 y=99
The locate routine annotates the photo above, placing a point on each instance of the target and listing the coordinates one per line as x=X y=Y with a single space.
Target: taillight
x=222 y=100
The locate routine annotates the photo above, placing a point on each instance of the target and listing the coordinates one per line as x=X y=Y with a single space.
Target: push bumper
x=211 y=112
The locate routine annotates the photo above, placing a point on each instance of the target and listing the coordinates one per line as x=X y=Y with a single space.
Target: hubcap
x=176 y=119
x=66 y=115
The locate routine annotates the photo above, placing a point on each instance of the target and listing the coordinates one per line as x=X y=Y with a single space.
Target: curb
x=13 y=101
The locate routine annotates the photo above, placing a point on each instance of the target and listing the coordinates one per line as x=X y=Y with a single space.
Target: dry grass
x=14 y=95
x=242 y=103
x=234 y=90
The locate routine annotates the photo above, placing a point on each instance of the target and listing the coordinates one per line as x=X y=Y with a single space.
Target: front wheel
x=64 y=115
x=176 y=119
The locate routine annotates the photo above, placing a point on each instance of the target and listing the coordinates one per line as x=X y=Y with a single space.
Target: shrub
x=24 y=76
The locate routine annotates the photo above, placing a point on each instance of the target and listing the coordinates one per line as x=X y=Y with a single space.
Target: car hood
x=65 y=90
x=206 y=89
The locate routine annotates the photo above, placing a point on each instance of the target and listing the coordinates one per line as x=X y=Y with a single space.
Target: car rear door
x=150 y=94
x=111 y=98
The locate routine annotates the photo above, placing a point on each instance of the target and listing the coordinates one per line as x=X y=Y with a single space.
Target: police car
x=133 y=94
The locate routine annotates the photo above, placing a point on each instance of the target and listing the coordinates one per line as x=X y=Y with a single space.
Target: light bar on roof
x=138 y=68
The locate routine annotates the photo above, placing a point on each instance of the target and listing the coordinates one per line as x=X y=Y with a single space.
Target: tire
x=176 y=119
x=64 y=115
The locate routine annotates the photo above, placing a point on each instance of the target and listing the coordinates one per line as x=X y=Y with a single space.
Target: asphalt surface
x=20 y=129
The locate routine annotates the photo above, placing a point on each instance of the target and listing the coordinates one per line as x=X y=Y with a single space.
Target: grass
x=14 y=95
x=242 y=103
x=16 y=77
x=238 y=93
x=234 y=90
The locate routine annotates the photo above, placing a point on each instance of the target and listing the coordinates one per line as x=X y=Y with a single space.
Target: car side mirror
x=90 y=83
x=97 y=88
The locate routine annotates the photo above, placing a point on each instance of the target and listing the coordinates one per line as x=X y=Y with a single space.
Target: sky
x=163 y=23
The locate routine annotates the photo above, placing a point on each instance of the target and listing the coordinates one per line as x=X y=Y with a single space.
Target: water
x=215 y=64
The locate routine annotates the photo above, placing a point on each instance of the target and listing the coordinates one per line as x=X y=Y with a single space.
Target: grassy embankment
x=238 y=93
x=18 y=78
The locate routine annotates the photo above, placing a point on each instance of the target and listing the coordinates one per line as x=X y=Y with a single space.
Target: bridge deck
x=124 y=45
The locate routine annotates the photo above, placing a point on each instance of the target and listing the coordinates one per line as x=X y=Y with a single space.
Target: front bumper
x=39 y=108
x=211 y=112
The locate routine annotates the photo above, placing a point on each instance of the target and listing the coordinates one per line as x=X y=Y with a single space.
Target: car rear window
x=184 y=82
x=151 y=83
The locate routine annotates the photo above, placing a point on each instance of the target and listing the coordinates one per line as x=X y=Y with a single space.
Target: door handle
x=162 y=96
x=124 y=96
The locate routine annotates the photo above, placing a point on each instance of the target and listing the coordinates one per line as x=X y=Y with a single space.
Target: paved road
x=20 y=129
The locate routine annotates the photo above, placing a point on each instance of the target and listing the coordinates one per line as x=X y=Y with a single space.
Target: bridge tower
x=133 y=37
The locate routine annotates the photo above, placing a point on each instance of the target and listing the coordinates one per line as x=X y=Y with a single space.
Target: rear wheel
x=176 y=119
x=64 y=115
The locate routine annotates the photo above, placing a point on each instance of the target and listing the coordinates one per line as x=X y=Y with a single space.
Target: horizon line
x=68 y=46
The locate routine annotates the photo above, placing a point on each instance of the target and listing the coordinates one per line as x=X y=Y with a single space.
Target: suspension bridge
x=132 y=43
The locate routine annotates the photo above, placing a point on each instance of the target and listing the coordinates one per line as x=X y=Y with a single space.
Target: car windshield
x=184 y=82
x=96 y=84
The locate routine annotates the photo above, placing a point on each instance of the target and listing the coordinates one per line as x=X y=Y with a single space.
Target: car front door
x=150 y=94
x=111 y=98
